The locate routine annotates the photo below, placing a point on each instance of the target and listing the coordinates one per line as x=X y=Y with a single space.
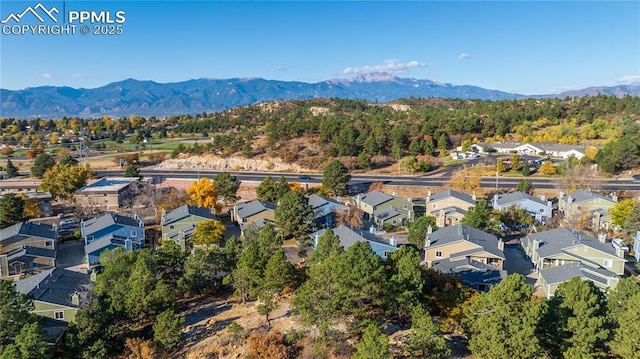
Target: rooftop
x=453 y=193
x=107 y=184
x=462 y=232
x=250 y=208
x=470 y=271
x=186 y=211
x=28 y=229
x=507 y=199
x=55 y=286
x=99 y=223
x=349 y=236
x=375 y=198
x=586 y=195
x=564 y=273
x=556 y=240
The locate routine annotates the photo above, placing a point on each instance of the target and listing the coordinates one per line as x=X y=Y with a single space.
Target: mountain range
x=149 y=98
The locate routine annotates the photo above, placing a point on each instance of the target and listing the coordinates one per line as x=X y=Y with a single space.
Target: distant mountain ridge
x=149 y=98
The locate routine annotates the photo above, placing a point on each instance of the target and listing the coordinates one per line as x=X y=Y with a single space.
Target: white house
x=536 y=207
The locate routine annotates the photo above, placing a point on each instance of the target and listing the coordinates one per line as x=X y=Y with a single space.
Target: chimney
x=392 y=241
x=569 y=199
x=619 y=253
x=316 y=238
x=395 y=193
x=602 y=237
x=430 y=229
x=372 y=229
x=500 y=244
x=75 y=299
x=614 y=197
x=429 y=196
x=543 y=198
x=427 y=241
x=473 y=196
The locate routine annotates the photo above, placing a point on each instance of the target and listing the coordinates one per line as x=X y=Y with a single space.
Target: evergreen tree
x=131 y=171
x=406 y=283
x=478 y=216
x=227 y=186
x=11 y=210
x=336 y=177
x=41 y=164
x=576 y=321
x=167 y=331
x=503 y=322
x=526 y=170
x=524 y=186
x=12 y=170
x=425 y=336
x=294 y=218
x=626 y=341
x=328 y=245
x=374 y=345
x=31 y=343
x=418 y=229
x=15 y=310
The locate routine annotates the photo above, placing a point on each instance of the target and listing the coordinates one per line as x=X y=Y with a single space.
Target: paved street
x=517 y=263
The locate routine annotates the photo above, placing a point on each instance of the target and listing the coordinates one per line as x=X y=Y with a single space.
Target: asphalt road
x=429 y=180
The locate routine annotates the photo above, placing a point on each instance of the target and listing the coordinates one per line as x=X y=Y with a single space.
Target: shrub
x=269 y=345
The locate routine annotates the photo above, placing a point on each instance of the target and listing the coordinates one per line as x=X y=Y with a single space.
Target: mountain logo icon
x=39 y=11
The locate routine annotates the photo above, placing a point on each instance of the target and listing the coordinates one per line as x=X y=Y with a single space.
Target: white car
x=617 y=243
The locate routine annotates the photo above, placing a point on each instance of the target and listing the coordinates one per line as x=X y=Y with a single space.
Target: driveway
x=71 y=255
x=517 y=263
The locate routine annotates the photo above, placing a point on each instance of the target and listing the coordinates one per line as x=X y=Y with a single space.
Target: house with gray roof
x=57 y=295
x=538 y=208
x=465 y=247
x=27 y=247
x=579 y=204
x=551 y=278
x=179 y=224
x=533 y=149
x=473 y=274
x=248 y=212
x=348 y=236
x=325 y=210
x=448 y=206
x=384 y=209
x=562 y=246
x=109 y=232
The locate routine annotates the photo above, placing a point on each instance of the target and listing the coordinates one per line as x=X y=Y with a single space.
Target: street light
x=497 y=174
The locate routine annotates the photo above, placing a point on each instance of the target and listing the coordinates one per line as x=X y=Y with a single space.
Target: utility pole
x=497 y=174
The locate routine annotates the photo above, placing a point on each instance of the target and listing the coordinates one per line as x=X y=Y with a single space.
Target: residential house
x=348 y=236
x=449 y=207
x=584 y=203
x=538 y=208
x=109 y=232
x=57 y=295
x=179 y=224
x=19 y=185
x=106 y=194
x=475 y=255
x=383 y=209
x=325 y=210
x=27 y=247
x=246 y=213
x=563 y=246
x=551 y=278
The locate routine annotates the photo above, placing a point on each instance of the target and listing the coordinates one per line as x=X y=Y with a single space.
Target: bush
x=269 y=345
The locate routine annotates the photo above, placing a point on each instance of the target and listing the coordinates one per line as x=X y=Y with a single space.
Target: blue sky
x=517 y=46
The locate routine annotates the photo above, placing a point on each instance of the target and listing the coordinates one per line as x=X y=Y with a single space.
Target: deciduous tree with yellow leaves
x=203 y=193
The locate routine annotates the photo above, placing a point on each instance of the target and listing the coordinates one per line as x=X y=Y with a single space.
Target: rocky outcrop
x=216 y=163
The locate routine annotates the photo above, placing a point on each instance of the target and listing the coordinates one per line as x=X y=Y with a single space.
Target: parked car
x=305 y=178
x=67 y=223
x=65 y=232
x=619 y=244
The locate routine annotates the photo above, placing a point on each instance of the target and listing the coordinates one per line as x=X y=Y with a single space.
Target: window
x=89 y=238
x=134 y=233
x=607 y=263
x=541 y=210
x=438 y=254
x=48 y=243
x=58 y=314
x=405 y=206
x=435 y=205
x=394 y=222
x=171 y=226
x=385 y=254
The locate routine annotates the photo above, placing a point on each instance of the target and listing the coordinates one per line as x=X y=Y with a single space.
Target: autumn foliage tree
x=208 y=233
x=203 y=193
x=463 y=180
x=63 y=180
x=547 y=168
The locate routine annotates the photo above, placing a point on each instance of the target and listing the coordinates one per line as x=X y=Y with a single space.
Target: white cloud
x=388 y=66
x=628 y=79
x=77 y=75
x=46 y=76
x=464 y=56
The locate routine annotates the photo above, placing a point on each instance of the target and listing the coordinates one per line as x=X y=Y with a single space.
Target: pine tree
x=12 y=170
x=374 y=345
